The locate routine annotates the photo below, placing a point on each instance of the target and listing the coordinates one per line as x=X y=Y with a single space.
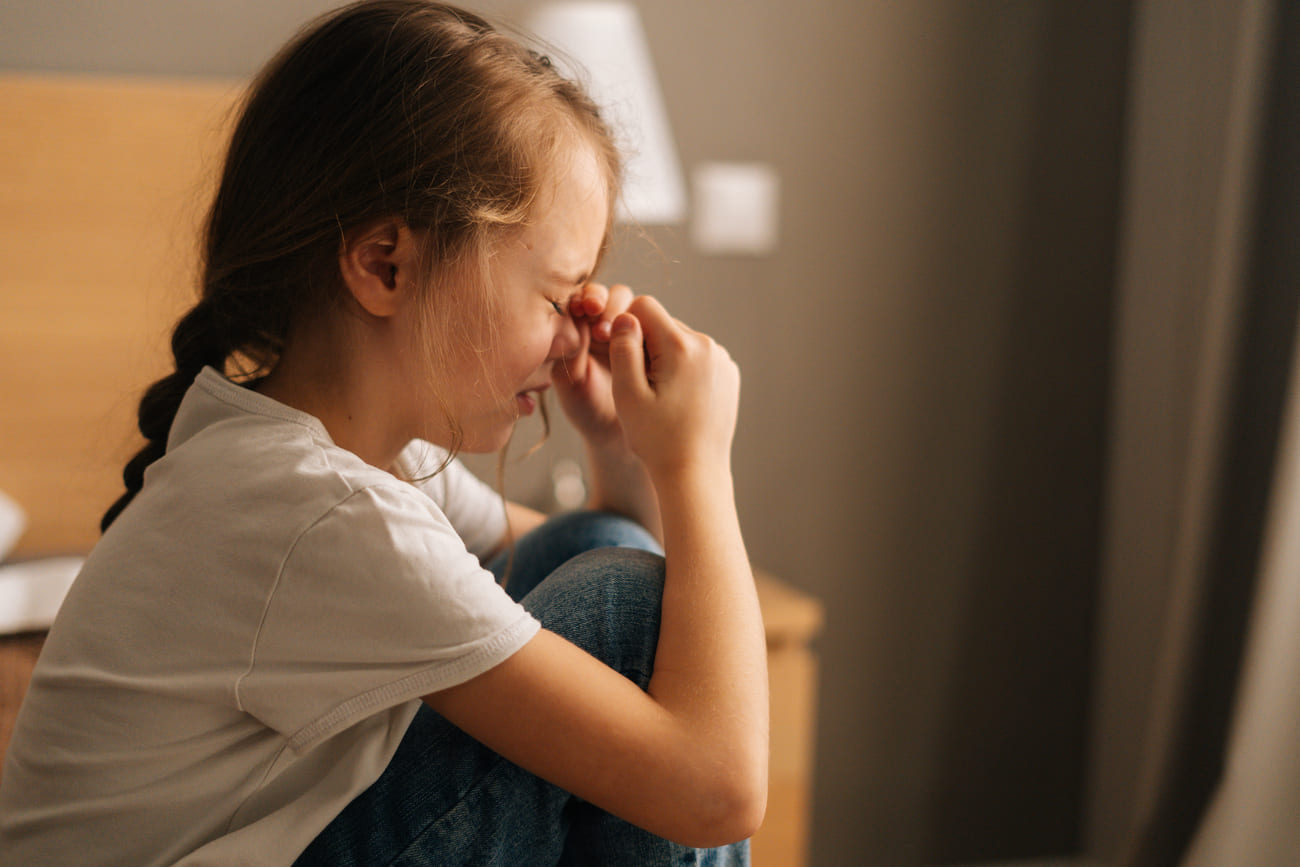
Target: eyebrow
x=567 y=278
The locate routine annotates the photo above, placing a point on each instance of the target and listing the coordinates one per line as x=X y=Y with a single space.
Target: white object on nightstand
x=32 y=591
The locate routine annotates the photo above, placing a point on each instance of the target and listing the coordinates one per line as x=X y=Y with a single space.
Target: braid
x=196 y=342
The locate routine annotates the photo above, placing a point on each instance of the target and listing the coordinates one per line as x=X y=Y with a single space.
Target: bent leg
x=564 y=536
x=607 y=602
x=446 y=799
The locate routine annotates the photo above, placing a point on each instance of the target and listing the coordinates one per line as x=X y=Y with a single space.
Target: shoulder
x=386 y=529
x=249 y=452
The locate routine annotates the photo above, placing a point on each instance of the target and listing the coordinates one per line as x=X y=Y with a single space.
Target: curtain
x=1254 y=813
x=1194 y=757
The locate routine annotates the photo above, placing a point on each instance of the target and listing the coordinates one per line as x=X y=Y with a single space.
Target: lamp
x=604 y=38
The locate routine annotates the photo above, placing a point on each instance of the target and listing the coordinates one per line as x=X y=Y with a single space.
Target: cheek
x=523 y=351
x=538 y=343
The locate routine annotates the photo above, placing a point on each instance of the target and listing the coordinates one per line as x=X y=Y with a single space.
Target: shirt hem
x=483 y=658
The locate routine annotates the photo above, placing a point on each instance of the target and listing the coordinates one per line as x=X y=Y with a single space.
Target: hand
x=583 y=382
x=676 y=391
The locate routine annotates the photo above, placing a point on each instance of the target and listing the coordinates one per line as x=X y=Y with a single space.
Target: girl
x=286 y=648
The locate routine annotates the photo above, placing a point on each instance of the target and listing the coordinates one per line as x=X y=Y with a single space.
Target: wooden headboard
x=102 y=186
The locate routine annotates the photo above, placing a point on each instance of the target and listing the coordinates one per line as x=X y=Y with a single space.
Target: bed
x=102 y=184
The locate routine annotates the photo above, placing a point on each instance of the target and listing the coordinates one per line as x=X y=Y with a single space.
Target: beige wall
x=924 y=357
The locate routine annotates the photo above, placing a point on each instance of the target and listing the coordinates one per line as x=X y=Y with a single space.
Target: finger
x=591 y=300
x=619 y=299
x=573 y=367
x=627 y=362
x=657 y=323
x=664 y=337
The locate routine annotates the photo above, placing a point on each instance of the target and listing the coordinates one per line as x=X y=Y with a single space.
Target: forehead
x=571 y=216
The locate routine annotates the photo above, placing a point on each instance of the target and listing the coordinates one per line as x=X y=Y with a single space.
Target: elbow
x=744 y=814
x=731 y=811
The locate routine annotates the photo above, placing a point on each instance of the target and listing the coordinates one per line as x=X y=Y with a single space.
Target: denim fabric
x=444 y=799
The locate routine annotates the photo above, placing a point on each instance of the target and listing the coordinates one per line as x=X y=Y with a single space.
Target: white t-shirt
x=247 y=644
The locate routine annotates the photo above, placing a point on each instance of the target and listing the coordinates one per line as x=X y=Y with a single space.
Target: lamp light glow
x=602 y=45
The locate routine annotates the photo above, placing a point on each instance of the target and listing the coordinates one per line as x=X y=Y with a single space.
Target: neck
x=355 y=394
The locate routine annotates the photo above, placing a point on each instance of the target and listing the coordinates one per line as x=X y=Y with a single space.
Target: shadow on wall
x=1018 y=707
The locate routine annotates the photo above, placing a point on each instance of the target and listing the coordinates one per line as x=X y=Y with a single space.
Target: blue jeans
x=445 y=799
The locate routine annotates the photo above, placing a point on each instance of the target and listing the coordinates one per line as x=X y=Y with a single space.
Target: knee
x=621 y=576
x=588 y=530
x=606 y=601
x=609 y=581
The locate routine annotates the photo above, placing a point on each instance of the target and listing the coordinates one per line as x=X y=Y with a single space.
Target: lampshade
x=605 y=40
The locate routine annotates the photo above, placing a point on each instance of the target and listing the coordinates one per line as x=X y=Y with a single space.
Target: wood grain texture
x=101 y=188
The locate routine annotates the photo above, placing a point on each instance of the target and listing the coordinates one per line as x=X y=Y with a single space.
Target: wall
x=920 y=440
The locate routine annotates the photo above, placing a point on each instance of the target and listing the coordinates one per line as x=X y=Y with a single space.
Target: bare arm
x=688 y=758
x=621 y=484
x=521 y=520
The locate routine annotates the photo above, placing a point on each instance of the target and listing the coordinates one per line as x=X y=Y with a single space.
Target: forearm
x=620 y=484
x=711 y=661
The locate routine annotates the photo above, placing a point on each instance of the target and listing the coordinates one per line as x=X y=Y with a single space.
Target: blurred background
x=978 y=420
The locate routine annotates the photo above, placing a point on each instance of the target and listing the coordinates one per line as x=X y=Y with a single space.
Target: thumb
x=627 y=356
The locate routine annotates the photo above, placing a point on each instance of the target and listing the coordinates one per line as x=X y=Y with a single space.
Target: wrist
x=696 y=482
x=698 y=505
x=611 y=456
x=619 y=483
x=691 y=473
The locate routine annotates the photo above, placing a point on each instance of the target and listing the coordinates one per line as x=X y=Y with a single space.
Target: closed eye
x=558 y=307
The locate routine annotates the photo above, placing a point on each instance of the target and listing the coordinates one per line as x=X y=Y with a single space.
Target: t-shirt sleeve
x=475 y=510
x=378 y=602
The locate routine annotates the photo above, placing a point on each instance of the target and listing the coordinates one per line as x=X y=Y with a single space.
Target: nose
x=569 y=339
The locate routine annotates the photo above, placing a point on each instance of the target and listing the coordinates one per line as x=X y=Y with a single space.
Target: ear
x=377 y=263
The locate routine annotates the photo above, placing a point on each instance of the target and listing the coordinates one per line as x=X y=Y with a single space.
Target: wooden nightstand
x=17 y=658
x=791 y=619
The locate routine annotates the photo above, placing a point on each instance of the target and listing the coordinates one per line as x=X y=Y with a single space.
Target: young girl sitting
x=290 y=646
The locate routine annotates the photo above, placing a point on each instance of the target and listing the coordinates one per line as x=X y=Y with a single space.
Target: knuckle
x=705 y=345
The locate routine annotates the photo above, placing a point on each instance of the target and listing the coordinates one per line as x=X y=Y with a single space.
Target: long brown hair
x=382 y=109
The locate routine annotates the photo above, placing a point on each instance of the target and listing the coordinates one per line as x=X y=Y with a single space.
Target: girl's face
x=533 y=276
